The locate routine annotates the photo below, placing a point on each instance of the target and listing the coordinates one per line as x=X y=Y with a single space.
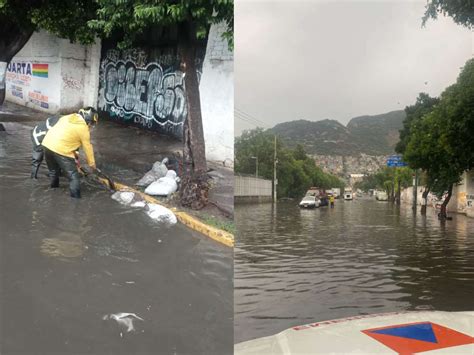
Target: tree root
x=194 y=192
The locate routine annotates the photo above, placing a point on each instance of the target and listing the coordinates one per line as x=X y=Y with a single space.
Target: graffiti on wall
x=144 y=93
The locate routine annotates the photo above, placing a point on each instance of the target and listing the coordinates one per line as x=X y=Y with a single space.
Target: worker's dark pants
x=37 y=158
x=56 y=163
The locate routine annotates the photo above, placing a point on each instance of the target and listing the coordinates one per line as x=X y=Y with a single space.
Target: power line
x=246 y=120
x=247 y=117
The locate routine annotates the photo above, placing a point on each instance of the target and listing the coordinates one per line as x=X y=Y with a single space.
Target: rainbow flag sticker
x=40 y=70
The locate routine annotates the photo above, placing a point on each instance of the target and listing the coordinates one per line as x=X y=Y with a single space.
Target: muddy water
x=297 y=266
x=65 y=264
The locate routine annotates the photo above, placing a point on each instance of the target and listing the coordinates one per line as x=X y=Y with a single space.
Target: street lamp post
x=256 y=166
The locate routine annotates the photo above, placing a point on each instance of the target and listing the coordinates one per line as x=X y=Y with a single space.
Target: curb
x=218 y=235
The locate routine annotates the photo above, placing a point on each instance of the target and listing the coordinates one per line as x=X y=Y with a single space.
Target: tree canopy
x=438 y=134
x=133 y=17
x=461 y=11
x=296 y=171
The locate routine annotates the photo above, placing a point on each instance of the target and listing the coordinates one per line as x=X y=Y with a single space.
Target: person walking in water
x=61 y=142
x=331 y=200
x=37 y=136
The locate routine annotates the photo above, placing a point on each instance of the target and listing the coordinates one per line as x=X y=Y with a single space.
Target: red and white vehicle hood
x=391 y=333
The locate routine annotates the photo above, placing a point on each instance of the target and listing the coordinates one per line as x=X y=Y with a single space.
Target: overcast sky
x=339 y=59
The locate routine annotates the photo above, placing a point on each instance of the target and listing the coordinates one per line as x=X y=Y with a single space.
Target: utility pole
x=275 y=181
x=256 y=166
x=415 y=190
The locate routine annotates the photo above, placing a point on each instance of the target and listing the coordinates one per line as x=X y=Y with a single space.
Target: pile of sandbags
x=160 y=181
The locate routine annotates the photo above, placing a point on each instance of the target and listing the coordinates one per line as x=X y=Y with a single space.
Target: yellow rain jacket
x=66 y=136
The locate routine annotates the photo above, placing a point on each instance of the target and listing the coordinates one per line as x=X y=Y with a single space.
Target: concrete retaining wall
x=462 y=199
x=251 y=189
x=53 y=75
x=217 y=97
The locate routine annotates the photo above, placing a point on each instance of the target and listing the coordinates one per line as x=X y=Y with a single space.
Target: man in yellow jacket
x=61 y=142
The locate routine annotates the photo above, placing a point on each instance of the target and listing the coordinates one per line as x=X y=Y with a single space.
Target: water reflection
x=295 y=266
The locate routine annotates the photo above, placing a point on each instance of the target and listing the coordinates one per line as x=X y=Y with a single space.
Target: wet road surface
x=297 y=266
x=65 y=264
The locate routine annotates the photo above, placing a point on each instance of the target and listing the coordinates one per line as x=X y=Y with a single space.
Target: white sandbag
x=163 y=186
x=161 y=214
x=138 y=204
x=124 y=197
x=158 y=170
x=160 y=167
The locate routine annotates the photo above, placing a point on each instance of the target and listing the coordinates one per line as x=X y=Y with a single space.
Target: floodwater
x=66 y=264
x=296 y=266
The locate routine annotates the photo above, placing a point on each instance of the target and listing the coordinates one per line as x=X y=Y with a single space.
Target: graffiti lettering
x=71 y=83
x=147 y=92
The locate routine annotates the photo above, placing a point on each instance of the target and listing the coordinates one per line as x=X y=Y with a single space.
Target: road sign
x=395 y=161
x=396 y=164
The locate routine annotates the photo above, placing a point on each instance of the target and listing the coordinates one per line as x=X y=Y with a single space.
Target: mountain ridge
x=368 y=134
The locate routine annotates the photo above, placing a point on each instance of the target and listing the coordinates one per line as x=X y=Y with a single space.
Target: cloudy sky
x=339 y=59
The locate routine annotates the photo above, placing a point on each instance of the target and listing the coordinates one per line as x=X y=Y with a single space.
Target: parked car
x=310 y=202
x=381 y=196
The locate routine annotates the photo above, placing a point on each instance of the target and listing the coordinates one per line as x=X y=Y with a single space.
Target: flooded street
x=297 y=266
x=67 y=264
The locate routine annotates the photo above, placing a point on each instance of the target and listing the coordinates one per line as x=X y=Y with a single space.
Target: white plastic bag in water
x=123 y=319
x=163 y=186
x=158 y=170
x=161 y=214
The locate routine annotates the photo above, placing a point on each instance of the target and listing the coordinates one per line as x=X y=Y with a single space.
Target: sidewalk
x=126 y=153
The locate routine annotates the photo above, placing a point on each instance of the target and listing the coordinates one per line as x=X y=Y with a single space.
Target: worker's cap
x=90 y=115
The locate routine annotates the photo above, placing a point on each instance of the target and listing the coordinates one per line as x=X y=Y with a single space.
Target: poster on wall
x=33 y=84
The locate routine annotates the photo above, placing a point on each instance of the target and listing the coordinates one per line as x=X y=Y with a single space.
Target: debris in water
x=161 y=214
x=164 y=186
x=124 y=319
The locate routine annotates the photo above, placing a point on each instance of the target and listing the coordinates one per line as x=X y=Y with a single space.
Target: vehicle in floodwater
x=389 y=333
x=348 y=195
x=320 y=194
x=310 y=202
x=336 y=192
x=381 y=196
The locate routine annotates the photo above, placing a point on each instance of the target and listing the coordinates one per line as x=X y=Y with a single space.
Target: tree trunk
x=424 y=203
x=398 y=192
x=442 y=214
x=194 y=187
x=12 y=39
